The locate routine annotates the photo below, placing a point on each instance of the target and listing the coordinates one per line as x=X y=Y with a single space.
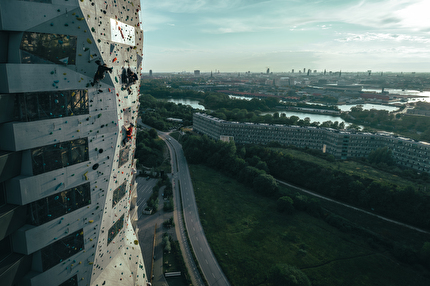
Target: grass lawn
x=390 y=231
x=248 y=236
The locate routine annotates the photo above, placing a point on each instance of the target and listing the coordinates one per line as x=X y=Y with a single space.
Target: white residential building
x=341 y=144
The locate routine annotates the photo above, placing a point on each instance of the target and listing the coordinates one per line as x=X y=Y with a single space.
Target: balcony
x=37 y=78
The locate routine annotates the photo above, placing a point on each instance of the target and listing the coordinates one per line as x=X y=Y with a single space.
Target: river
x=302 y=115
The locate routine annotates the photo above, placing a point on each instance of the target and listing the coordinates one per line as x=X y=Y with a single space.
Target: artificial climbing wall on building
x=53 y=47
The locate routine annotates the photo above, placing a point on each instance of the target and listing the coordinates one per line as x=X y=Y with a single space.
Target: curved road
x=181 y=179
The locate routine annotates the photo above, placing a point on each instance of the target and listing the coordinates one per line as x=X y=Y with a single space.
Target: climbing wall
x=109 y=32
x=116 y=33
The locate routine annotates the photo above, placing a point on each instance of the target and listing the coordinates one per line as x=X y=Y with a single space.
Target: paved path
x=146 y=225
x=355 y=208
x=181 y=179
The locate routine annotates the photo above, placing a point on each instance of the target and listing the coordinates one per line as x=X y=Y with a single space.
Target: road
x=182 y=182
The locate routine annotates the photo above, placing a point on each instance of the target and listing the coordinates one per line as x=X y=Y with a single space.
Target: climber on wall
x=129 y=77
x=132 y=77
x=100 y=73
x=128 y=133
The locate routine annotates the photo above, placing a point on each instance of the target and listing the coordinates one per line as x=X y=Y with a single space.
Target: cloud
x=367 y=37
x=193 y=6
x=153 y=21
x=248 y=33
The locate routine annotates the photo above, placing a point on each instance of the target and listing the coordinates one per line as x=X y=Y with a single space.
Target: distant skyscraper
x=304 y=70
x=325 y=71
x=268 y=71
x=150 y=72
x=196 y=72
x=292 y=71
x=67 y=180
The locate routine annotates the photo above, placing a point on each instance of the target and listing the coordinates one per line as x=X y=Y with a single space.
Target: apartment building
x=341 y=144
x=67 y=182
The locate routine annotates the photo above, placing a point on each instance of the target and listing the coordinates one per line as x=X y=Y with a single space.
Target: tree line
x=149 y=149
x=415 y=127
x=256 y=166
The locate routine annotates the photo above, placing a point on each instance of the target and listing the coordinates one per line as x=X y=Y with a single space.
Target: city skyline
x=238 y=35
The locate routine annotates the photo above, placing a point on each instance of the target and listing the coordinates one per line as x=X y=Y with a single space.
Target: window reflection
x=41 y=48
x=62 y=249
x=31 y=106
x=123 y=155
x=56 y=156
x=118 y=193
x=59 y=204
x=115 y=229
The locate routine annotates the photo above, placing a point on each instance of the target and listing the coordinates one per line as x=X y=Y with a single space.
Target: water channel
x=321 y=117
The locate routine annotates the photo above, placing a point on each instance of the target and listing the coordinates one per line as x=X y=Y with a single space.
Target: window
x=70 y=282
x=59 y=204
x=118 y=193
x=123 y=155
x=33 y=106
x=41 y=48
x=56 y=156
x=115 y=229
x=62 y=249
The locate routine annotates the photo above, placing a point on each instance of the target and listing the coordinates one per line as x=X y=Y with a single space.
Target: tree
x=353 y=126
x=153 y=133
x=425 y=254
x=287 y=275
x=285 y=204
x=265 y=184
x=381 y=155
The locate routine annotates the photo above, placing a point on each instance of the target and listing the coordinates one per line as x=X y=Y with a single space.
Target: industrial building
x=341 y=144
x=69 y=90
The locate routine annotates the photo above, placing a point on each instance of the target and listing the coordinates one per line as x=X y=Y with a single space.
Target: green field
x=248 y=236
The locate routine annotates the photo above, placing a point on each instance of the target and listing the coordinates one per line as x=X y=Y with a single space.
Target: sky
x=253 y=35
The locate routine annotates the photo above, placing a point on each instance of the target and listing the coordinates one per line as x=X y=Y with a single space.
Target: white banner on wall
x=122 y=33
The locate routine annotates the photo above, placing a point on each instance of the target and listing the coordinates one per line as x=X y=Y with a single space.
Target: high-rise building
x=196 y=72
x=69 y=90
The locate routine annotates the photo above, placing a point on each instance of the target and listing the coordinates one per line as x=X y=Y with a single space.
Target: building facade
x=67 y=181
x=341 y=144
